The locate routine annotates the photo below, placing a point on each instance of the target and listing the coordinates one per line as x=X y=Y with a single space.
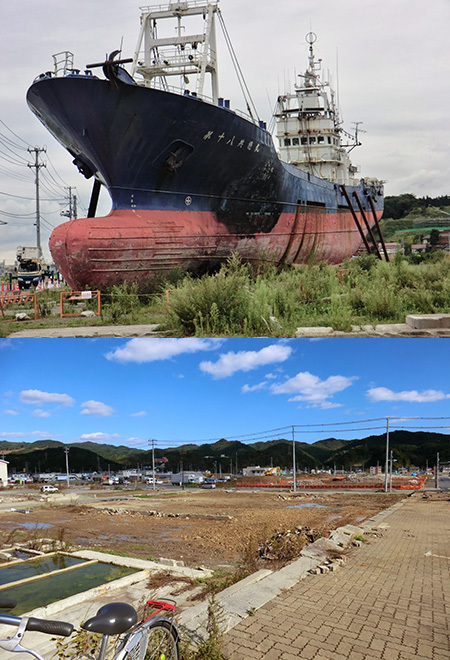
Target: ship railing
x=63 y=62
x=167 y=6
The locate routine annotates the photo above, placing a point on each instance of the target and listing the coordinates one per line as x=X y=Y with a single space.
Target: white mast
x=181 y=55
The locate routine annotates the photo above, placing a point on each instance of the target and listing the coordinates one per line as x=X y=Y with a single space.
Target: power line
x=308 y=428
x=43 y=199
x=15 y=134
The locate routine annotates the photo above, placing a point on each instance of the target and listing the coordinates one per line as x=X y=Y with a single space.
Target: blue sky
x=194 y=390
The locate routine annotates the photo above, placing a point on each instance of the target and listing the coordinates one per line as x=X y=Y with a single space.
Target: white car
x=48 y=488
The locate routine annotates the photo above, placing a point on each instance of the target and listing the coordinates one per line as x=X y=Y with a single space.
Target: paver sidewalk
x=390 y=601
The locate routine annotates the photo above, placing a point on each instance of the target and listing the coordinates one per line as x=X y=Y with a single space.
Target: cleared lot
x=199 y=527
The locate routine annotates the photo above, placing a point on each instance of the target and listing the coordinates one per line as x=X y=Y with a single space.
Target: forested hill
x=417 y=449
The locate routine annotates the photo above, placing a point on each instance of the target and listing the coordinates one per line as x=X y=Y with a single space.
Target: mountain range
x=417 y=449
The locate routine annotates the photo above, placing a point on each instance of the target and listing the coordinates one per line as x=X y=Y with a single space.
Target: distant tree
x=434 y=238
x=398 y=206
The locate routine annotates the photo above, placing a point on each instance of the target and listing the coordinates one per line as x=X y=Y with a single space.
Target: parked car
x=48 y=488
x=209 y=483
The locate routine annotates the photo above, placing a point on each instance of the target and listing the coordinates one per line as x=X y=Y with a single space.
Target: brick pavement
x=390 y=601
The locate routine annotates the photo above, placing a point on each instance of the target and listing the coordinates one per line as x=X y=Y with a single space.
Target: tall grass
x=240 y=301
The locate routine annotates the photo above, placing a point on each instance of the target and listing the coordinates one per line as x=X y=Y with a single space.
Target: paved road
x=390 y=601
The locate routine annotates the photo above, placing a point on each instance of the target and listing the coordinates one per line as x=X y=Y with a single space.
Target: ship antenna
x=338 y=105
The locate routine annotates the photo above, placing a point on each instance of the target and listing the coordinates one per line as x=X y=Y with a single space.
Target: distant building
x=254 y=471
x=376 y=469
x=3 y=472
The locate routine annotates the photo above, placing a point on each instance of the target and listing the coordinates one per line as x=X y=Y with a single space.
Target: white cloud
x=229 y=363
x=411 y=396
x=137 y=441
x=253 y=388
x=14 y=434
x=311 y=389
x=10 y=412
x=149 y=350
x=141 y=413
x=41 y=413
x=36 y=397
x=96 y=408
x=99 y=437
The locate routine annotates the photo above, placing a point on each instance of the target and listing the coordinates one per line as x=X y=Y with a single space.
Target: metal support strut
x=377 y=224
x=368 y=228
x=355 y=218
x=94 y=199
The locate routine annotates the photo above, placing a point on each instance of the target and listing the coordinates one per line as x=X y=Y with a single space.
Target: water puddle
x=37 y=566
x=30 y=525
x=57 y=587
x=306 y=505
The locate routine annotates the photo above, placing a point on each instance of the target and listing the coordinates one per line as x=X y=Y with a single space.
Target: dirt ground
x=199 y=527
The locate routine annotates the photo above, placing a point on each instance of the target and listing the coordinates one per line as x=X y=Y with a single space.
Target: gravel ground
x=199 y=527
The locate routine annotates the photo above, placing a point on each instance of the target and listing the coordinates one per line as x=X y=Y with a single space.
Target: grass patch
x=242 y=301
x=211 y=646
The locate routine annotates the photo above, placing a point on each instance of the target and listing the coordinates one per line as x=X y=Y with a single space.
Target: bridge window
x=320 y=139
x=312 y=140
x=287 y=142
x=304 y=140
x=295 y=141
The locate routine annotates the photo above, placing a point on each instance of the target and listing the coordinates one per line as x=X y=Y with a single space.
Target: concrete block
x=392 y=329
x=313 y=332
x=351 y=530
x=428 y=321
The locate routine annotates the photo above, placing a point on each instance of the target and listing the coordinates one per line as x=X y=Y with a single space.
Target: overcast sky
x=124 y=392
x=394 y=67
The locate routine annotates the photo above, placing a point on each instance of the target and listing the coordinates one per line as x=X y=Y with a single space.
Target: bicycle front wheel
x=162 y=641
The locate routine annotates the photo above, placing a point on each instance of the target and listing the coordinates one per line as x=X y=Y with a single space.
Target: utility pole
x=293 y=458
x=37 y=166
x=153 y=462
x=72 y=213
x=437 y=471
x=66 y=451
x=386 y=468
x=390 y=479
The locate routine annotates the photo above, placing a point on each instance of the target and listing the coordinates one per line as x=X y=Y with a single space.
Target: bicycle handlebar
x=39 y=625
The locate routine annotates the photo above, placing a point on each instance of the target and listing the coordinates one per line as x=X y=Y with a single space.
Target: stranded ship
x=192 y=180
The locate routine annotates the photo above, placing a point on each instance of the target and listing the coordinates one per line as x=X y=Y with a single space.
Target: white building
x=3 y=472
x=254 y=471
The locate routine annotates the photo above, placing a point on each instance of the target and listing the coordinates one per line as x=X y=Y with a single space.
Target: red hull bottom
x=133 y=246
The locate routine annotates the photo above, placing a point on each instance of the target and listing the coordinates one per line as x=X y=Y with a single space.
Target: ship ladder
x=357 y=223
